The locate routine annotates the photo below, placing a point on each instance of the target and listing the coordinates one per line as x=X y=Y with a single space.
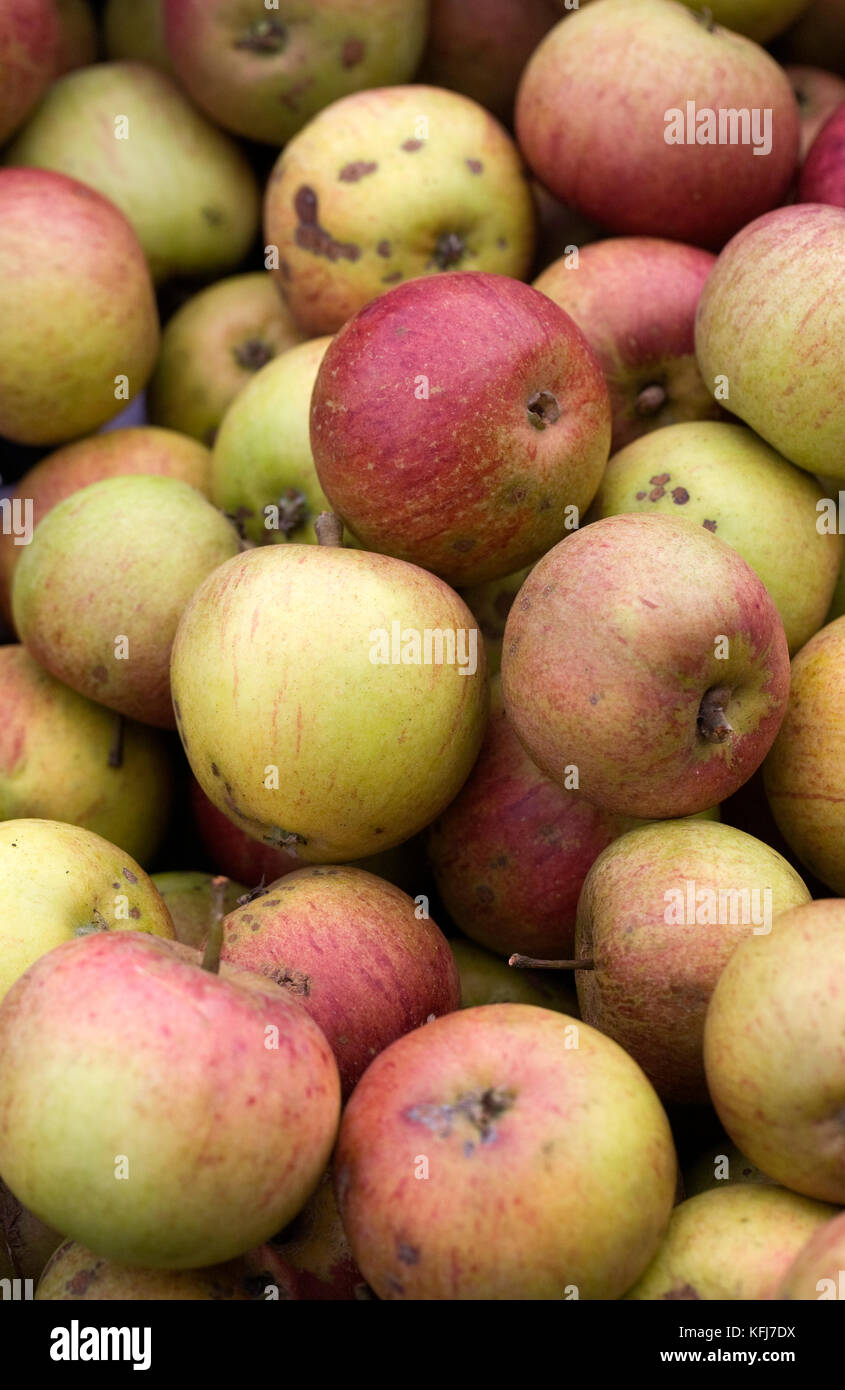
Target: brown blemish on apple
x=709 y=525
x=129 y=876
x=475 y=166
x=449 y=250
x=310 y=236
x=134 y=912
x=215 y=770
x=485 y=894
x=214 y=216
x=516 y=495
x=252 y=354
x=265 y=36
x=293 y=510
x=543 y=409
x=384 y=249
x=680 y=496
x=392 y=279
x=408 y=1254
x=502 y=243
x=352 y=52
x=478 y=1108
x=294 y=980
x=351 y=173
x=412 y=145
x=292 y=95
x=683 y=1291
x=81 y=1281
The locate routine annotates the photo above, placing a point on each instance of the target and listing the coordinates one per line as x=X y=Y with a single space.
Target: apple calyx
x=329 y=529
x=530 y=963
x=292 y=507
x=449 y=250
x=116 y=744
x=704 y=16
x=712 y=721
x=543 y=409
x=265 y=36
x=651 y=399
x=253 y=354
x=214 y=940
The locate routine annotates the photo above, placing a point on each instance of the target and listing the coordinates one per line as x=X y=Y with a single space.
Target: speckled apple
x=30 y=35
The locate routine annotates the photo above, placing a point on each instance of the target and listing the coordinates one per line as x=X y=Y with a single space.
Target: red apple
x=634 y=299
x=461 y=423
x=30 y=38
x=823 y=175
x=818 y=94
x=615 y=106
x=480 y=47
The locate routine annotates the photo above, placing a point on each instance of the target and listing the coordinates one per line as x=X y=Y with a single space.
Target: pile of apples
x=422 y=432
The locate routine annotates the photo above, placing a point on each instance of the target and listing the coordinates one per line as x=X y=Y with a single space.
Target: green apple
x=301 y=718
x=769 y=332
x=129 y=132
x=61 y=881
x=191 y=902
x=75 y=1274
x=315 y=1246
x=773 y=1050
x=759 y=19
x=487 y=979
x=727 y=479
x=263 y=470
x=804 y=773
x=65 y=758
x=134 y=29
x=388 y=185
x=734 y=1244
x=818 y=1271
x=123 y=556
x=157 y=1112
x=721 y=1164
x=212 y=347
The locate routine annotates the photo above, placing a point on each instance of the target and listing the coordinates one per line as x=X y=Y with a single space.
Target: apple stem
x=530 y=963
x=116 y=745
x=651 y=399
x=329 y=529
x=712 y=721
x=214 y=941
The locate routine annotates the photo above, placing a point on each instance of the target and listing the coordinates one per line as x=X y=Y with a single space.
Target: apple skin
x=480 y=47
x=314 y=1245
x=822 y=1258
x=634 y=299
x=701 y=1176
x=818 y=94
x=78 y=37
x=727 y=479
x=732 y=1244
x=523 y=1118
x=75 y=1274
x=653 y=980
x=605 y=665
x=351 y=950
x=474 y=481
x=511 y=852
x=134 y=30
x=608 y=157
x=212 y=347
x=823 y=175
x=30 y=37
x=63 y=244
x=772 y=1050
x=140 y=449
x=262 y=453
x=487 y=979
x=757 y=19
x=54 y=761
x=165 y=537
x=367 y=196
x=188 y=898
x=818 y=37
x=266 y=86
x=272 y=667
x=118 y=1044
x=771 y=306
x=804 y=772
x=186 y=188
x=56 y=880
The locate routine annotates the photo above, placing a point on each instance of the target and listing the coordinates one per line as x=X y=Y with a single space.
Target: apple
x=490 y=605
x=388 y=185
x=141 y=449
x=161 y=537
x=58 y=882
x=313 y=661
x=78 y=319
x=818 y=1271
x=25 y=1242
x=191 y=900
x=212 y=347
x=721 y=1164
x=805 y=770
x=134 y=29
x=512 y=850
x=660 y=914
x=488 y=455
x=773 y=1053
x=75 y=1274
x=479 y=47
x=823 y=175
x=365 y=961
x=263 y=71
x=759 y=19
x=818 y=94
x=262 y=470
x=645 y=663
x=78 y=38
x=156 y=1112
x=733 y=1244
x=616 y=104
x=504 y=1152
x=487 y=979
x=818 y=37
x=725 y=478
x=65 y=758
x=30 y=39
x=634 y=299
x=314 y=1245
x=770 y=307
x=127 y=131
